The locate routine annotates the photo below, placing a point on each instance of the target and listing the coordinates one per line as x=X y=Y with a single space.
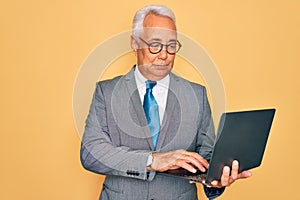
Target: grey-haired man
x=118 y=140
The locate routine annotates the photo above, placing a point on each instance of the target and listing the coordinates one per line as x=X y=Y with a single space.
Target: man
x=150 y=121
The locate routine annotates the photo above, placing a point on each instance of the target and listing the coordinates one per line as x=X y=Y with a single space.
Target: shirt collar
x=141 y=80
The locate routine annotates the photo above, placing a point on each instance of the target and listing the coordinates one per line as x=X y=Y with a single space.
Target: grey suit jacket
x=117 y=139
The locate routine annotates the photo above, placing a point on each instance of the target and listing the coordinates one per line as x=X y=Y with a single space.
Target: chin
x=161 y=74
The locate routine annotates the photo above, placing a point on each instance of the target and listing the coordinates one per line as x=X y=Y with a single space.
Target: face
x=156 y=29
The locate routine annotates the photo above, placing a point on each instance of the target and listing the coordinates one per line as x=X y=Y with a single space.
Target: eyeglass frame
x=161 y=46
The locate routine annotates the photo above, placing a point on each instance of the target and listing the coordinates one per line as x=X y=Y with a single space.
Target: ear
x=133 y=44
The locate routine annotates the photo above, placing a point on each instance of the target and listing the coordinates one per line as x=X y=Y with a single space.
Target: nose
x=163 y=54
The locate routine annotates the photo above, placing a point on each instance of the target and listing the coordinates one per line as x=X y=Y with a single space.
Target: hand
x=178 y=159
x=227 y=179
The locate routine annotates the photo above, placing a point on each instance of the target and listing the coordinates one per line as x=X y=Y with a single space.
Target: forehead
x=153 y=20
x=159 y=27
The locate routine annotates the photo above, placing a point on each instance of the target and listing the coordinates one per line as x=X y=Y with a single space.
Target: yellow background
x=254 y=43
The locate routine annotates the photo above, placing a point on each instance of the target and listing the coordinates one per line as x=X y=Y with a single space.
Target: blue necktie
x=151 y=112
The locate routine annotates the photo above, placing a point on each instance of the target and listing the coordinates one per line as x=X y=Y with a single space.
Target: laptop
x=241 y=136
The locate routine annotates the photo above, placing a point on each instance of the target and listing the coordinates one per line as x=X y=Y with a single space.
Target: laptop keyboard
x=198 y=176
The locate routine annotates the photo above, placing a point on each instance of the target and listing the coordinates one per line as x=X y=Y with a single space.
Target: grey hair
x=140 y=15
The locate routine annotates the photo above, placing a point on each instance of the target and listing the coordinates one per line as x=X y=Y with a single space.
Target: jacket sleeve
x=98 y=154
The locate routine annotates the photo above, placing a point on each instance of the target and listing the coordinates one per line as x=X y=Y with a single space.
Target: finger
x=245 y=174
x=191 y=157
x=202 y=160
x=185 y=165
x=193 y=182
x=209 y=185
x=194 y=162
x=235 y=170
x=199 y=158
x=214 y=183
x=225 y=176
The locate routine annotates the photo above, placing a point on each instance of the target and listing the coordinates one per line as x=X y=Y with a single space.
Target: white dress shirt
x=160 y=91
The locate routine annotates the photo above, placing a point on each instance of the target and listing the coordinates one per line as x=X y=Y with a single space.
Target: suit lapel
x=137 y=107
x=171 y=108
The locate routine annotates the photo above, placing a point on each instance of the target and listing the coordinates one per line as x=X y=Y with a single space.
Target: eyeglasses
x=156 y=47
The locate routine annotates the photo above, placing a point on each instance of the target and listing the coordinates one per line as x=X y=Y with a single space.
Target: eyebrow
x=173 y=40
x=160 y=40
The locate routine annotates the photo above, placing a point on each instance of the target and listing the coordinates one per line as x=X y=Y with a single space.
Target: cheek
x=171 y=59
x=148 y=57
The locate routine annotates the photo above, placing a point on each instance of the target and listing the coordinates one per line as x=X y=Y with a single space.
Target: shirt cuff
x=149 y=160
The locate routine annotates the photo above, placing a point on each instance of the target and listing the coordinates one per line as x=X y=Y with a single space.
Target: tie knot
x=150 y=84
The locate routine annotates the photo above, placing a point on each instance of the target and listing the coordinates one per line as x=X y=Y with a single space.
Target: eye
x=155 y=45
x=172 y=45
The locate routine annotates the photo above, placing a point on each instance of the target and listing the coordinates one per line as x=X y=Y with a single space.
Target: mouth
x=160 y=65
